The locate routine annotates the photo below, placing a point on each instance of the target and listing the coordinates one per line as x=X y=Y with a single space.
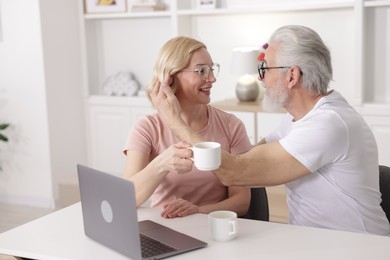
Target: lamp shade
x=244 y=60
x=244 y=65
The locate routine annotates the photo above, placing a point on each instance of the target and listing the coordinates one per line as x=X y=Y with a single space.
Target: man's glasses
x=262 y=67
x=204 y=70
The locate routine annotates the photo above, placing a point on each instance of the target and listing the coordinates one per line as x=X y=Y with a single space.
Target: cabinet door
x=248 y=119
x=278 y=210
x=108 y=129
x=267 y=122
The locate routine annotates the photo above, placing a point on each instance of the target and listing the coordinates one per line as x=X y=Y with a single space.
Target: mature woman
x=154 y=163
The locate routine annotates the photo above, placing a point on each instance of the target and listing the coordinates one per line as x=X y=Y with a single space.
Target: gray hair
x=301 y=46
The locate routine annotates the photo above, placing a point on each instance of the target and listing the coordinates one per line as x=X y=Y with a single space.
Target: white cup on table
x=223 y=225
x=206 y=155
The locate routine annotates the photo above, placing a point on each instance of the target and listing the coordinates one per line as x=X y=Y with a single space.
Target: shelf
x=242 y=106
x=377 y=3
x=259 y=8
x=183 y=18
x=271 y=7
x=128 y=15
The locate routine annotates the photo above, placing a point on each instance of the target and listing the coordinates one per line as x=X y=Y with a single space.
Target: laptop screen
x=110 y=217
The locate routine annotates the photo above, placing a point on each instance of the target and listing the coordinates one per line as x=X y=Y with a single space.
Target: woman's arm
x=144 y=178
x=147 y=175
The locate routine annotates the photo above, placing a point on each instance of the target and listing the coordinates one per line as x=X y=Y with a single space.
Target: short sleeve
x=140 y=136
x=240 y=141
x=317 y=141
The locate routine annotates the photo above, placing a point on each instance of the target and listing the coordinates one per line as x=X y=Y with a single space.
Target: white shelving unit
x=356 y=31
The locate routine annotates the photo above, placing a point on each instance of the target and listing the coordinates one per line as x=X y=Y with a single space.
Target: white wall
x=63 y=74
x=25 y=160
x=41 y=97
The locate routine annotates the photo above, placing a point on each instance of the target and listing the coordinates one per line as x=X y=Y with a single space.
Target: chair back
x=258 y=208
x=384 y=186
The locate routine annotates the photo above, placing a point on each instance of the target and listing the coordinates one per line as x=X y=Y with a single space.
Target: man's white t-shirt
x=337 y=146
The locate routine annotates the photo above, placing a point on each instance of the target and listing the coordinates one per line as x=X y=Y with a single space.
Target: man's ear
x=293 y=76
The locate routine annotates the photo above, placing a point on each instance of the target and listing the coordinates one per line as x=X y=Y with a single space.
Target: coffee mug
x=223 y=225
x=206 y=155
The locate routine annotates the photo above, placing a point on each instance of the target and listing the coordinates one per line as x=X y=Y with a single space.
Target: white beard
x=275 y=98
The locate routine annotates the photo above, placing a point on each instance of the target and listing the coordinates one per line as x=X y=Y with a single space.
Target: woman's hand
x=174 y=159
x=179 y=208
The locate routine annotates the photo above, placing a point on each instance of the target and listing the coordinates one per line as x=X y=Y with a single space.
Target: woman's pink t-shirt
x=152 y=137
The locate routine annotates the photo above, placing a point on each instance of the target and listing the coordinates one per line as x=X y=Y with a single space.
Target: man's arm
x=169 y=108
x=263 y=165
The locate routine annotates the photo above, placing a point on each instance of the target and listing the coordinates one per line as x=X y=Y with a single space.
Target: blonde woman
x=159 y=169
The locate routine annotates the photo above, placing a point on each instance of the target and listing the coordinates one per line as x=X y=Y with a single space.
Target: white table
x=60 y=235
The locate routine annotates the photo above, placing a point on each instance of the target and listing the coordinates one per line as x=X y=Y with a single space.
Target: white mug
x=223 y=225
x=206 y=155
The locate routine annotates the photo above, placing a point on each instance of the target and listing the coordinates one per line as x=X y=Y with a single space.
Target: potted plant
x=2 y=136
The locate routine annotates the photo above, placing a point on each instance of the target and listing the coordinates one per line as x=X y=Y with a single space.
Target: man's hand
x=166 y=102
x=169 y=109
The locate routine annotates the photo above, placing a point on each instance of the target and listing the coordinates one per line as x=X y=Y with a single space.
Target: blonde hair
x=173 y=56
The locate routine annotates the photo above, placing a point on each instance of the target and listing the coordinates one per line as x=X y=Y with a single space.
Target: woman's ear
x=172 y=81
x=172 y=84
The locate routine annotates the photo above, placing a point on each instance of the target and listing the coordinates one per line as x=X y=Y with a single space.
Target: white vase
x=247 y=88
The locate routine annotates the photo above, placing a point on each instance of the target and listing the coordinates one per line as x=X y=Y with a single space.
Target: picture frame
x=206 y=4
x=105 y=6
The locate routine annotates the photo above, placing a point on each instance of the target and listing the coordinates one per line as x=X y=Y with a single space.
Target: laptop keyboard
x=151 y=247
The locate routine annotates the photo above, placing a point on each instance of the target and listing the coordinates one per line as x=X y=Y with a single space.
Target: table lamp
x=244 y=64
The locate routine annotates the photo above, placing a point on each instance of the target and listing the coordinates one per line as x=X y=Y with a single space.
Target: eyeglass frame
x=210 y=69
x=261 y=69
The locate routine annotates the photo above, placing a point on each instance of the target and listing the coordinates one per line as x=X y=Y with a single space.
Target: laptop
x=110 y=218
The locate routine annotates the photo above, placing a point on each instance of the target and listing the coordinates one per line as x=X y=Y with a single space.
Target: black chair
x=384 y=186
x=258 y=208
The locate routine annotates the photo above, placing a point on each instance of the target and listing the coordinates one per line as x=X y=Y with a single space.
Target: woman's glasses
x=204 y=70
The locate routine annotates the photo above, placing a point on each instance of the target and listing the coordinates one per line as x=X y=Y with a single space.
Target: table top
x=60 y=235
x=234 y=104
